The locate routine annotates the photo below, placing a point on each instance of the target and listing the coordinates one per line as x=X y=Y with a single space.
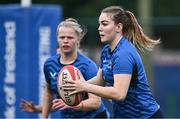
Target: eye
x=70 y=37
x=104 y=23
x=61 y=37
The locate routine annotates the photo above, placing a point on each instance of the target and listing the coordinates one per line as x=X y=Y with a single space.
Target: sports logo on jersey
x=107 y=64
x=53 y=75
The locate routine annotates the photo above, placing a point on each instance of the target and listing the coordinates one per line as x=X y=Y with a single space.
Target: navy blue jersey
x=125 y=59
x=88 y=69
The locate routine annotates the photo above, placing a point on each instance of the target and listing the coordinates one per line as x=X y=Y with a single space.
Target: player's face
x=67 y=39
x=106 y=28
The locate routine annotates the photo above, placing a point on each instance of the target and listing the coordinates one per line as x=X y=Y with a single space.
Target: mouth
x=65 y=47
x=101 y=35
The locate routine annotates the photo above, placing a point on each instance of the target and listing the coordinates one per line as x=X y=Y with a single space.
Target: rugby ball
x=71 y=73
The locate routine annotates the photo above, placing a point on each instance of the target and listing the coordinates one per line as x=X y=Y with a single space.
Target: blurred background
x=28 y=37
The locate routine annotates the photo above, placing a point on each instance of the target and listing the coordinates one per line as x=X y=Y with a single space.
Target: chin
x=103 y=41
x=66 y=51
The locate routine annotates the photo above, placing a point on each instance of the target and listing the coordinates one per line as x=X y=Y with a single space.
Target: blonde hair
x=131 y=29
x=73 y=23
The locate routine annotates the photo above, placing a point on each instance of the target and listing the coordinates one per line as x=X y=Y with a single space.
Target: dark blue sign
x=167 y=87
x=27 y=39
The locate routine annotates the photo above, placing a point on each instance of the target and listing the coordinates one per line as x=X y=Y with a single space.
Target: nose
x=65 y=40
x=99 y=28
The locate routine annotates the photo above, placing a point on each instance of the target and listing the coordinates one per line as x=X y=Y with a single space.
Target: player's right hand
x=27 y=106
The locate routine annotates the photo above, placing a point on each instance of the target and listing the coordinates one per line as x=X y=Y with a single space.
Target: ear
x=119 y=27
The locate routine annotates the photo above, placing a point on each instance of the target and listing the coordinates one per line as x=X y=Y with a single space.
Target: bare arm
x=47 y=101
x=117 y=92
x=97 y=80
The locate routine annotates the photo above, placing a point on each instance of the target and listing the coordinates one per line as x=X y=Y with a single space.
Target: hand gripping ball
x=71 y=73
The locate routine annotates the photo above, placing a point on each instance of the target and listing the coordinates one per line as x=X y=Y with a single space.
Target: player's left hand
x=58 y=104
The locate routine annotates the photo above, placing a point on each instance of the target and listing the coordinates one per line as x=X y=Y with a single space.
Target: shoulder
x=51 y=59
x=128 y=55
x=84 y=63
x=125 y=48
x=84 y=59
x=87 y=66
x=124 y=55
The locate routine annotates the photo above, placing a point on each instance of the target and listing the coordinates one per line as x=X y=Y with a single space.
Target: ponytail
x=136 y=36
